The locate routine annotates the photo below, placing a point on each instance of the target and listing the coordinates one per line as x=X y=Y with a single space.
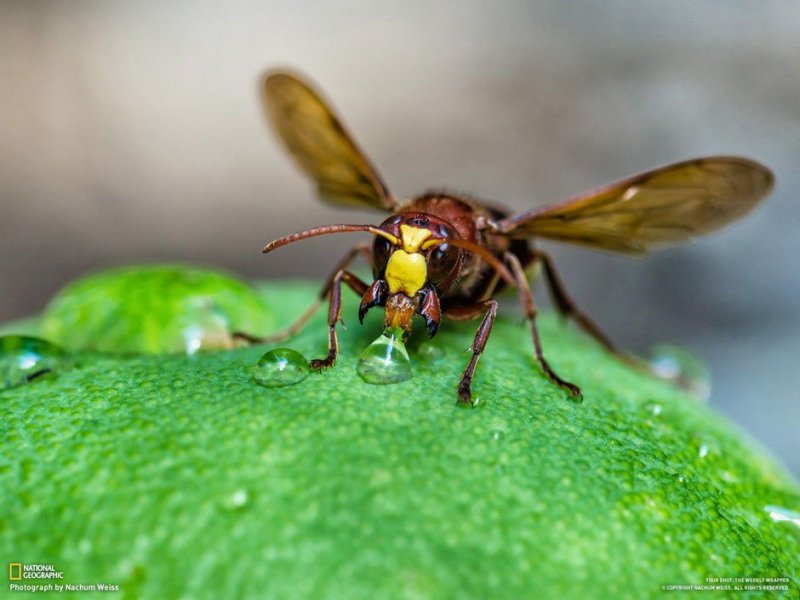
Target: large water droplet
x=385 y=360
x=24 y=359
x=279 y=367
x=683 y=368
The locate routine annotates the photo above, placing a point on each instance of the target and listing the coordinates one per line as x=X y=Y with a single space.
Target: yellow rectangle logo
x=15 y=571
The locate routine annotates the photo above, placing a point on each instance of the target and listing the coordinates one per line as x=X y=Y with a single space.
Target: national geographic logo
x=39 y=578
x=20 y=571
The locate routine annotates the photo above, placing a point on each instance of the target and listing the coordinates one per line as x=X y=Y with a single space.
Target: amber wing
x=662 y=207
x=320 y=144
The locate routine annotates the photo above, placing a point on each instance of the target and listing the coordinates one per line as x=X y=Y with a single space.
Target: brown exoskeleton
x=442 y=255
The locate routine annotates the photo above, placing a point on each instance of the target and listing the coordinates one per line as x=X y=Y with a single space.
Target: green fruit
x=154 y=309
x=181 y=477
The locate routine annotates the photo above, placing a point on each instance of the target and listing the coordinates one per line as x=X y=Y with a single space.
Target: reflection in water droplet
x=779 y=513
x=385 y=360
x=682 y=368
x=24 y=359
x=237 y=499
x=279 y=367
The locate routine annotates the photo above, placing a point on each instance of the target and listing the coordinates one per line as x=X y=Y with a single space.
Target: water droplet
x=24 y=359
x=279 y=367
x=779 y=513
x=497 y=434
x=206 y=327
x=655 y=409
x=385 y=360
x=430 y=352
x=703 y=451
x=682 y=368
x=235 y=500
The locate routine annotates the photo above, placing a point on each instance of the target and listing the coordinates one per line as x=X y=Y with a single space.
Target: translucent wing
x=662 y=207
x=320 y=144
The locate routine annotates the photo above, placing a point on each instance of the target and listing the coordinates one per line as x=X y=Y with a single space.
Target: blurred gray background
x=131 y=131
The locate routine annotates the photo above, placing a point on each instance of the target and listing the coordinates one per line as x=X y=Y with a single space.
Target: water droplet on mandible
x=24 y=359
x=280 y=367
x=385 y=360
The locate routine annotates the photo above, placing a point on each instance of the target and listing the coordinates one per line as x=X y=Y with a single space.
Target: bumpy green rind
x=180 y=477
x=154 y=309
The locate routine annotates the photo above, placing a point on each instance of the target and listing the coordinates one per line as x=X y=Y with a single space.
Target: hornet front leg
x=334 y=315
x=293 y=329
x=461 y=313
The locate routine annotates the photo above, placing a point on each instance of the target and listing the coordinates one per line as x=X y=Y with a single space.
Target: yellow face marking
x=406 y=272
x=413 y=237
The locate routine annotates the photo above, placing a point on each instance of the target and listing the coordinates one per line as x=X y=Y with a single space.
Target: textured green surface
x=179 y=477
x=153 y=309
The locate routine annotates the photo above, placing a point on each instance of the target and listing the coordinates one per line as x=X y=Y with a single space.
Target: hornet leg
x=460 y=313
x=334 y=314
x=566 y=306
x=528 y=305
x=299 y=323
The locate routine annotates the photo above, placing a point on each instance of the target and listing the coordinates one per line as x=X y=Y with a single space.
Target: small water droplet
x=24 y=359
x=385 y=360
x=430 y=352
x=682 y=368
x=280 y=367
x=655 y=409
x=703 y=451
x=779 y=513
x=497 y=434
x=235 y=500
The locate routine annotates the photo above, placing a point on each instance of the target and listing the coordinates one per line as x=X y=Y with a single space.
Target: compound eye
x=439 y=254
x=381 y=250
x=442 y=261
